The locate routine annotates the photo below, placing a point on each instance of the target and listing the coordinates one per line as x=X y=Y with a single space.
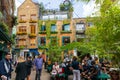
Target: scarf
x=7 y=66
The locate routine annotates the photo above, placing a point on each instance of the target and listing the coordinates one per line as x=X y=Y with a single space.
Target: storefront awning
x=35 y=51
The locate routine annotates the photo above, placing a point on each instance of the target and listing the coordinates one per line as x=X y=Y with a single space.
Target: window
x=22 y=29
x=22 y=41
x=42 y=41
x=32 y=41
x=53 y=28
x=32 y=29
x=65 y=40
x=80 y=27
x=22 y=17
x=33 y=17
x=53 y=40
x=43 y=28
x=66 y=27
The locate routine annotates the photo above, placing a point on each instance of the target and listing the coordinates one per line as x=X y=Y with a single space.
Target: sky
x=81 y=9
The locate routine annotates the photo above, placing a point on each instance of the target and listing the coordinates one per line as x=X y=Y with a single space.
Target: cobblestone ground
x=45 y=75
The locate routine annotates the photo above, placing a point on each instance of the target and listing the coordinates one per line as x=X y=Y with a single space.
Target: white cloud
x=89 y=8
x=17 y=4
x=80 y=9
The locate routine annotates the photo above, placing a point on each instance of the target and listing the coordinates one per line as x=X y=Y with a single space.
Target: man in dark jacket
x=29 y=66
x=6 y=67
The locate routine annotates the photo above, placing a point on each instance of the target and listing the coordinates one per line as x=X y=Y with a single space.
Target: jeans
x=38 y=74
x=76 y=75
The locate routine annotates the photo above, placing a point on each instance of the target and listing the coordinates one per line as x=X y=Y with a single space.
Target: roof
x=30 y=1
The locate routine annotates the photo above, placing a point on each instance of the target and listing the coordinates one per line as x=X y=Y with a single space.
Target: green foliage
x=54 y=50
x=105 y=38
x=14 y=20
x=105 y=6
x=66 y=7
x=13 y=38
x=66 y=21
x=42 y=8
x=1 y=16
x=40 y=23
x=22 y=47
x=4 y=27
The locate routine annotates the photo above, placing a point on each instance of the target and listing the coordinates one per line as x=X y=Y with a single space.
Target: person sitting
x=115 y=75
x=55 y=70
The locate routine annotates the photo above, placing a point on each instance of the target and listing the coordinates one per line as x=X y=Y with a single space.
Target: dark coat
x=29 y=66
x=21 y=71
x=3 y=70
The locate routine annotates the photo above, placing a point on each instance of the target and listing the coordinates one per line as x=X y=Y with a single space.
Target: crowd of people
x=22 y=67
x=89 y=68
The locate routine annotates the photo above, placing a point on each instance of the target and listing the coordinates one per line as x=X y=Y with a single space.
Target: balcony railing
x=21 y=33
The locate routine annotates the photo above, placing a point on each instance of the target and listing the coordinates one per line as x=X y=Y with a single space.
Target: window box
x=32 y=35
x=22 y=21
x=54 y=32
x=66 y=31
x=21 y=33
x=42 y=47
x=33 y=21
x=42 y=32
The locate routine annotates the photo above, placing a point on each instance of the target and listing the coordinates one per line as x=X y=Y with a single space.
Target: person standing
x=6 y=67
x=21 y=69
x=44 y=60
x=29 y=66
x=75 y=66
x=38 y=63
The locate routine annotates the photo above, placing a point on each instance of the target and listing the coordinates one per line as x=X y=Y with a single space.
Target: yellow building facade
x=32 y=31
x=27 y=28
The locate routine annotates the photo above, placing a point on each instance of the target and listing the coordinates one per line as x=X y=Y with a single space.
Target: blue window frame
x=65 y=40
x=42 y=41
x=53 y=28
x=66 y=27
x=43 y=28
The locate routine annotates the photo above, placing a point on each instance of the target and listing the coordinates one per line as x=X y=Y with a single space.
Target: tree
x=7 y=10
x=108 y=27
x=104 y=36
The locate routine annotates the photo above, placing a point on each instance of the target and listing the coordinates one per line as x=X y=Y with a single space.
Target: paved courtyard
x=45 y=75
